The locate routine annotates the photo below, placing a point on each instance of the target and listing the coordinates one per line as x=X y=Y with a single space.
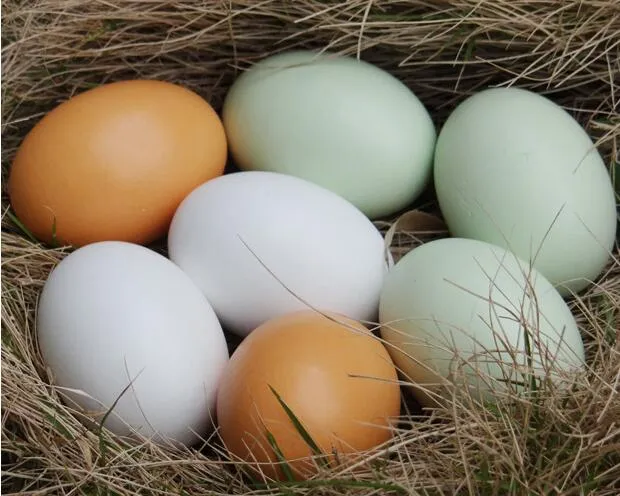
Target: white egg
x=514 y=169
x=262 y=244
x=337 y=121
x=117 y=321
x=469 y=312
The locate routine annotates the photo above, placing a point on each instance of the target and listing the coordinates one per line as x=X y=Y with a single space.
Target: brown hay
x=444 y=50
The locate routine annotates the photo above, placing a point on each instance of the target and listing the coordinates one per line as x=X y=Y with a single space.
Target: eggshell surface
x=336 y=378
x=262 y=244
x=339 y=122
x=514 y=169
x=117 y=320
x=471 y=313
x=114 y=162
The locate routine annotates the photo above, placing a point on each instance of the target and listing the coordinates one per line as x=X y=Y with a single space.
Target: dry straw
x=444 y=50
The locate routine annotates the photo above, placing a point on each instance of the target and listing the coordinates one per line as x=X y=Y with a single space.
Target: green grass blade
x=58 y=427
x=102 y=443
x=286 y=468
x=316 y=450
x=22 y=227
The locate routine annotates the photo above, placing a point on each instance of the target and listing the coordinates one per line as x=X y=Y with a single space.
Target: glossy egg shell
x=515 y=169
x=114 y=162
x=337 y=121
x=337 y=379
x=465 y=312
x=121 y=326
x=263 y=244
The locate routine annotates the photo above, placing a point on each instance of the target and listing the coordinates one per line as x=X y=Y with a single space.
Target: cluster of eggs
x=285 y=255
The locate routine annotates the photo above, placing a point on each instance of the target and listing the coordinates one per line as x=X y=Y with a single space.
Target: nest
x=444 y=51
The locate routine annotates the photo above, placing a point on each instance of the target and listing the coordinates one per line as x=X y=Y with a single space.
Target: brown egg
x=114 y=163
x=337 y=379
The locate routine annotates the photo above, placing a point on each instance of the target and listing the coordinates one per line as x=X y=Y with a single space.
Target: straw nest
x=444 y=51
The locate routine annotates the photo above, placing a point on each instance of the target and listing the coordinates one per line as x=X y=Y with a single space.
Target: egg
x=468 y=313
x=262 y=244
x=514 y=169
x=121 y=327
x=335 y=378
x=114 y=162
x=337 y=121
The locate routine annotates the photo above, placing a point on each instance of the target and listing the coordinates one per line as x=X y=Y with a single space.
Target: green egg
x=471 y=314
x=514 y=169
x=339 y=122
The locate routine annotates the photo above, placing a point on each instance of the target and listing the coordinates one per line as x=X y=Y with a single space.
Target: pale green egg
x=514 y=169
x=339 y=122
x=468 y=313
